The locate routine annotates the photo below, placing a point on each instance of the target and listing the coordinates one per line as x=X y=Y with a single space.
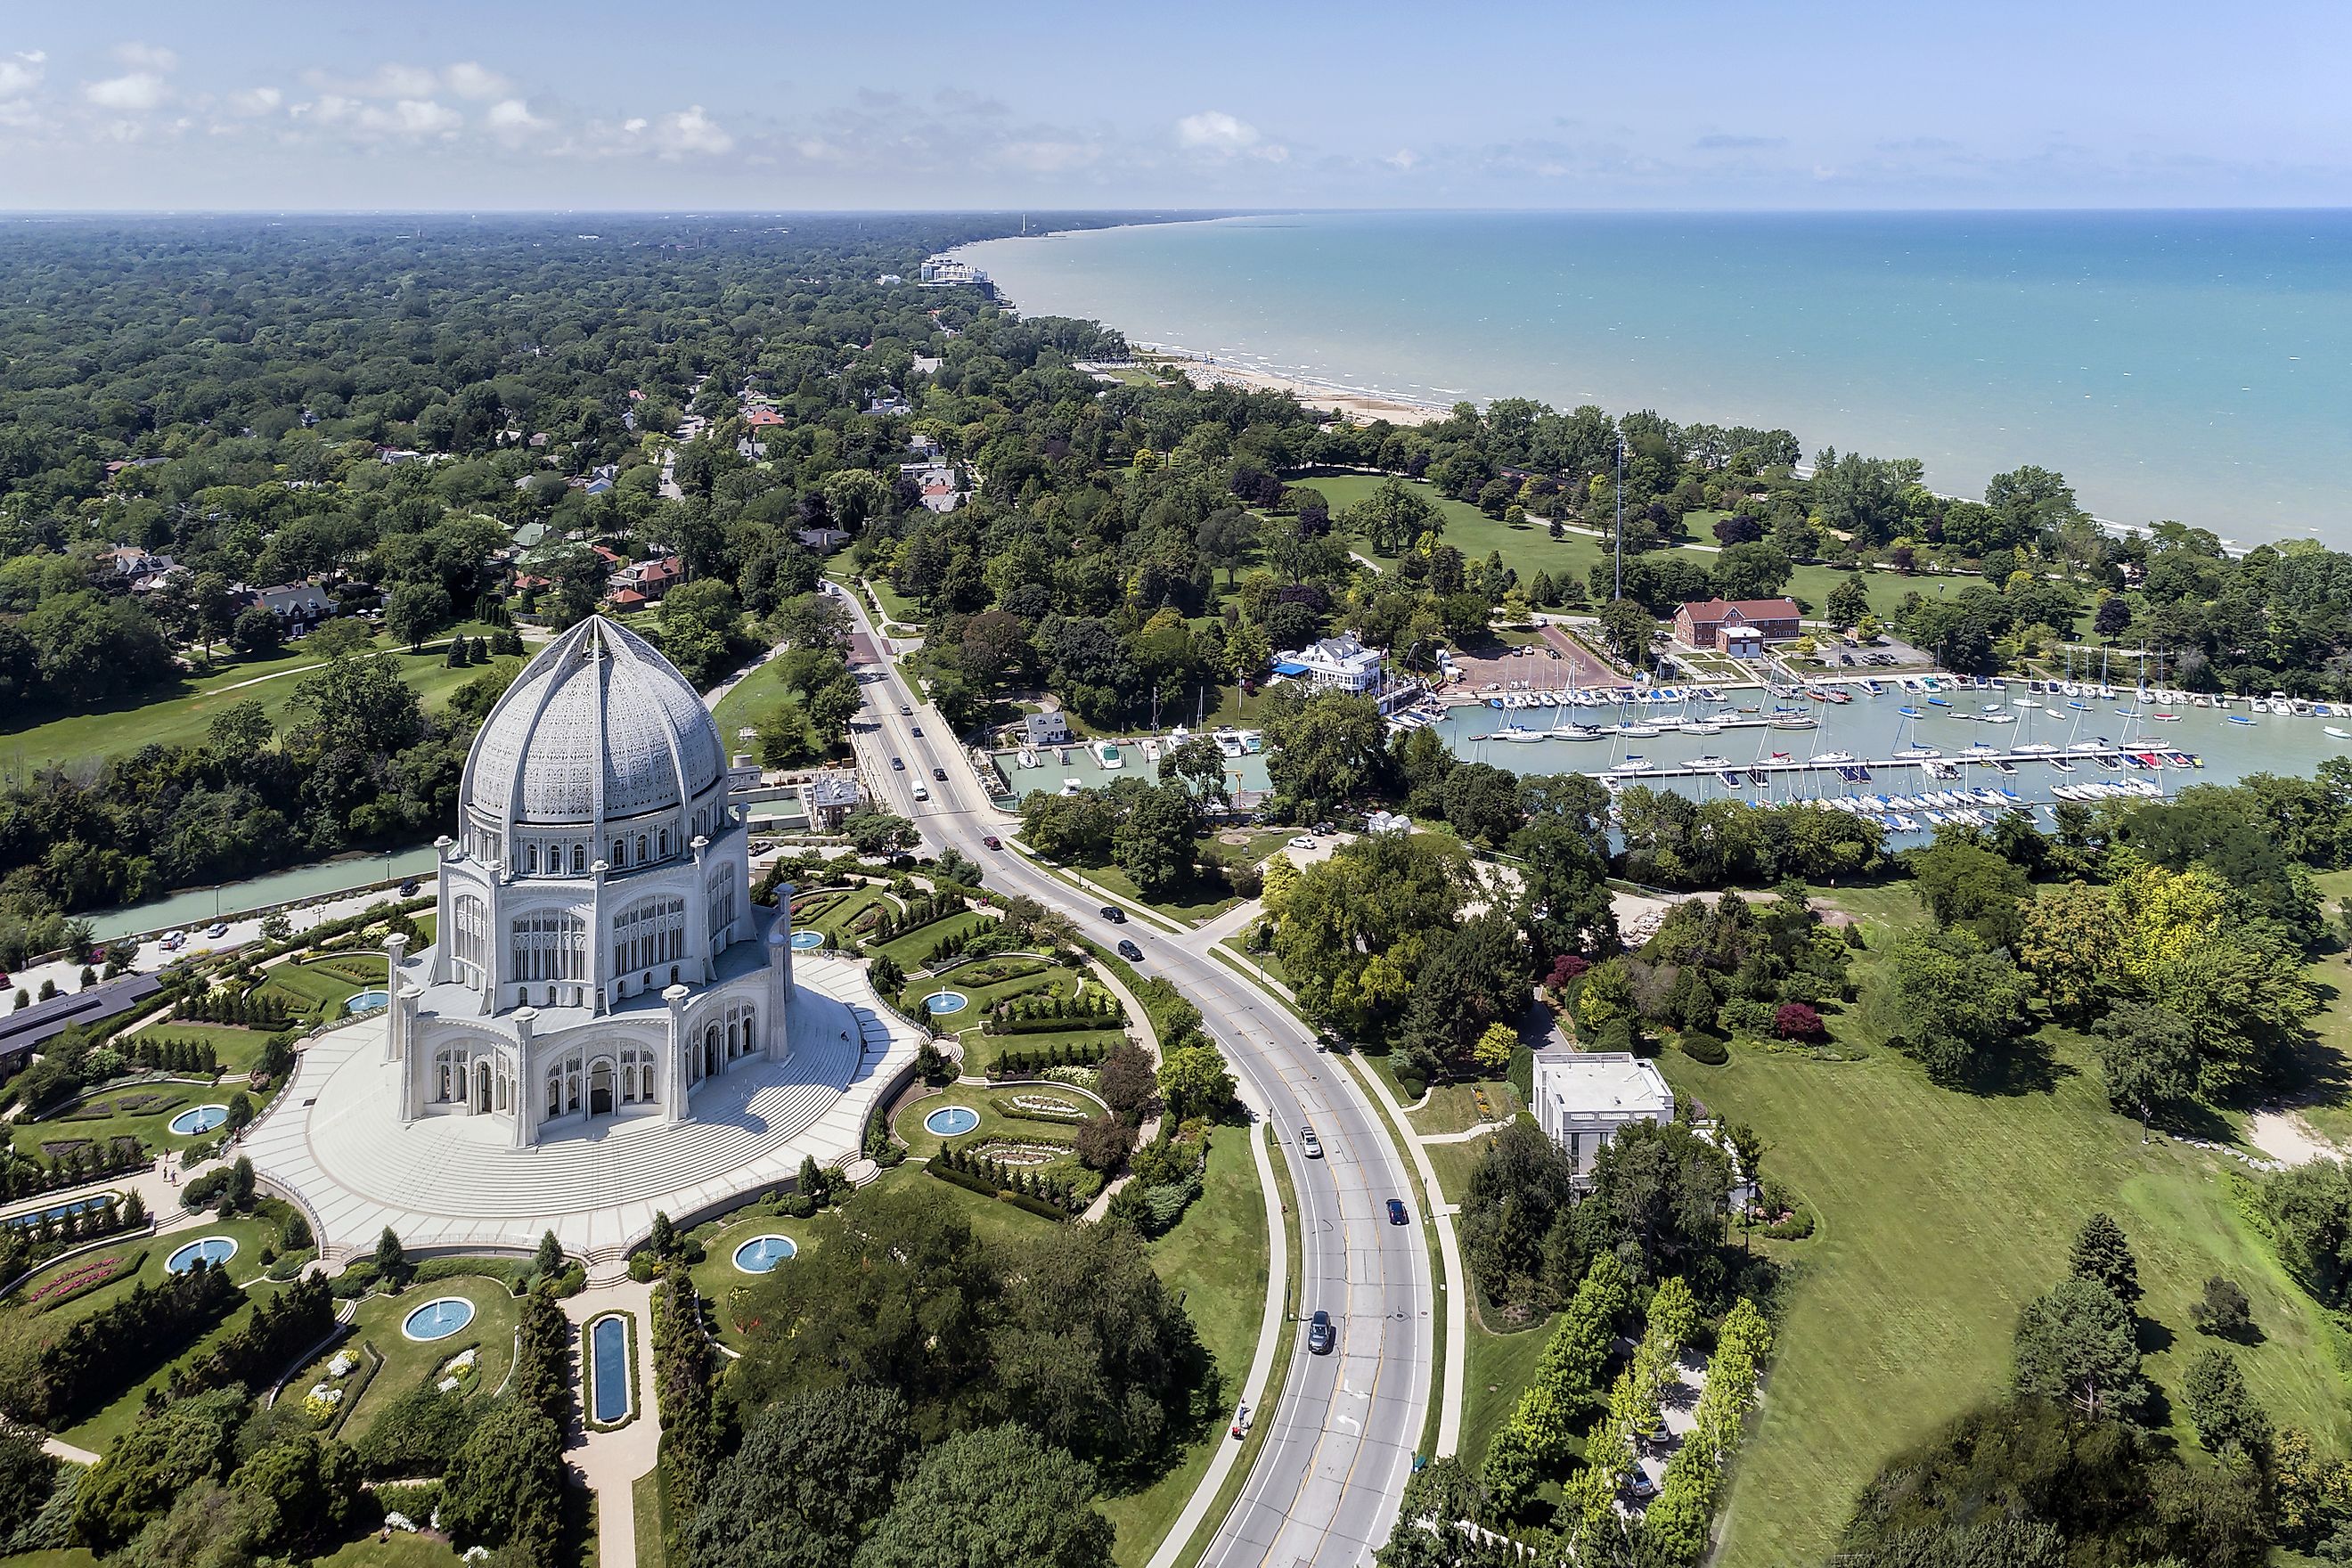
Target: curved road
x=1330 y=1477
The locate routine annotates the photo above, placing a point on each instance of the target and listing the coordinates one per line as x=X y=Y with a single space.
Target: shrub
x=1704 y=1048
x=1796 y=1021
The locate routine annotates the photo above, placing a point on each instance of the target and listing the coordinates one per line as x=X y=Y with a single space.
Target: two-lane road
x=1327 y=1484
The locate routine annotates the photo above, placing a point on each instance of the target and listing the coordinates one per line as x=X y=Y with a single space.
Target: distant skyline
x=1686 y=104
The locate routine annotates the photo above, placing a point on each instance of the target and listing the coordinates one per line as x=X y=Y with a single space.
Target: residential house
x=829 y=797
x=299 y=606
x=1583 y=1097
x=647 y=579
x=1046 y=729
x=133 y=561
x=1730 y=624
x=1333 y=664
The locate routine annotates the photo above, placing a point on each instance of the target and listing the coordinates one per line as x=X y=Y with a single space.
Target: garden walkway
x=611 y=1462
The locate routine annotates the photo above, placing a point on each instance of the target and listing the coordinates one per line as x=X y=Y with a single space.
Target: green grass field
x=317 y=988
x=1529 y=548
x=990 y=1219
x=1496 y=1367
x=1939 y=1214
x=408 y=1363
x=1044 y=979
x=238 y=1048
x=1217 y=1257
x=723 y=1284
x=152 y=1128
x=914 y=947
x=745 y=705
x=178 y=714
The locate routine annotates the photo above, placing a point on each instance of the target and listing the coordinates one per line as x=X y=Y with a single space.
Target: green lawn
x=1453 y=1106
x=2330 y=1113
x=1044 y=979
x=751 y=699
x=1217 y=1257
x=403 y=1550
x=317 y=988
x=1529 y=548
x=833 y=913
x=994 y=1123
x=236 y=1049
x=1940 y=1214
x=1203 y=900
x=912 y=947
x=152 y=1128
x=178 y=714
x=408 y=1363
x=989 y=1219
x=1496 y=1367
x=718 y=1277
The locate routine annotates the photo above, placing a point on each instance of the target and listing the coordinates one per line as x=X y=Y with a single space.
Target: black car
x=1320 y=1335
x=939 y=776
x=918 y=732
x=407 y=890
x=1114 y=914
x=1130 y=952
x=1396 y=1214
x=897 y=764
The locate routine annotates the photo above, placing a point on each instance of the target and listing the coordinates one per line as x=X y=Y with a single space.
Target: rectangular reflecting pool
x=608 y=1349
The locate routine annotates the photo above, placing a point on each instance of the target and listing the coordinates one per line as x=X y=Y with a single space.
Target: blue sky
x=1673 y=104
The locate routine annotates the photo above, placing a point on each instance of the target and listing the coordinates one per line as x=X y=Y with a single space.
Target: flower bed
x=1027 y=1153
x=1041 y=1107
x=83 y=1278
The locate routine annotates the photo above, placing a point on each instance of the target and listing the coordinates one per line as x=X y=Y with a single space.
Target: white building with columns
x=598 y=956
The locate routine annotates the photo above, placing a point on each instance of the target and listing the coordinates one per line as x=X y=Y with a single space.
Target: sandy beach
x=1358 y=407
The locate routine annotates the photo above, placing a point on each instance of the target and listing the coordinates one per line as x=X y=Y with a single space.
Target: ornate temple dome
x=599 y=725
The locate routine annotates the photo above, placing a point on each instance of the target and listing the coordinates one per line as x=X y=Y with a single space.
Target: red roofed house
x=764 y=419
x=1739 y=627
x=649 y=580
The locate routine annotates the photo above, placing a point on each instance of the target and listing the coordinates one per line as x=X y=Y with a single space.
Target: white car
x=922 y=792
x=1302 y=842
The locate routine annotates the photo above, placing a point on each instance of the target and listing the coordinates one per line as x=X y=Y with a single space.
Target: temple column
x=674 y=1074
x=395 y=948
x=780 y=977
x=525 y=1099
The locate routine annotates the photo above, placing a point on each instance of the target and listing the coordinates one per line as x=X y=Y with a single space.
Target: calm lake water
x=2188 y=365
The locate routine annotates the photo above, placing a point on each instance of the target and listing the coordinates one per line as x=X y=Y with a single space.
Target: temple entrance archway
x=600 y=1089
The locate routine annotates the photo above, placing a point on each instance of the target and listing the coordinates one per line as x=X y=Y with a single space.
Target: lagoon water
x=2187 y=365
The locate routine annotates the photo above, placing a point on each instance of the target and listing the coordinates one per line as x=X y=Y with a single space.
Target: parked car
x=1130 y=952
x=939 y=776
x=897 y=764
x=1114 y=914
x=218 y=931
x=1242 y=1419
x=1312 y=1144
x=992 y=840
x=1301 y=841
x=1327 y=828
x=1396 y=1214
x=1320 y=1335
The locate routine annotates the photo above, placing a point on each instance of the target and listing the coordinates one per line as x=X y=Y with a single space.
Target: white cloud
x=468 y=79
x=414 y=117
x=691 y=130
x=253 y=100
x=1402 y=158
x=634 y=126
x=20 y=74
x=512 y=117
x=146 y=57
x=1215 y=130
x=131 y=93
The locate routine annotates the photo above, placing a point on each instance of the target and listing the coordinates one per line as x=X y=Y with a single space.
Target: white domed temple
x=601 y=1028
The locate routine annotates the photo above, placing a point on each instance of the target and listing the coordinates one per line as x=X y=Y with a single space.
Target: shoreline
x=1364 y=403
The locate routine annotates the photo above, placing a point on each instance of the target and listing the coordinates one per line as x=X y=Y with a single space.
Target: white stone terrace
x=447 y=1183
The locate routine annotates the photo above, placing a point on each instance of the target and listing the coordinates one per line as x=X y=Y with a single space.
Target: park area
x=1528 y=548
x=1940 y=1214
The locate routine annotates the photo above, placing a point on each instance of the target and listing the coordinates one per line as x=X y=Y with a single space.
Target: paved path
x=611 y=1462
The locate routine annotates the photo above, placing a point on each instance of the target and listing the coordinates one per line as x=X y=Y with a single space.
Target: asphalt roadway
x=1330 y=1477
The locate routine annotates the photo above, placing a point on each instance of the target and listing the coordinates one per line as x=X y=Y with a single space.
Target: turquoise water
x=364 y=1001
x=199 y=1119
x=438 y=1319
x=609 y=1344
x=2188 y=365
x=201 y=905
x=952 y=1120
x=212 y=1250
x=942 y=1001
x=763 y=1253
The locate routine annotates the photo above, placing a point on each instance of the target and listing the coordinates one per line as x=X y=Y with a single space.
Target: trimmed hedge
x=986 y=1189
x=1704 y=1048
